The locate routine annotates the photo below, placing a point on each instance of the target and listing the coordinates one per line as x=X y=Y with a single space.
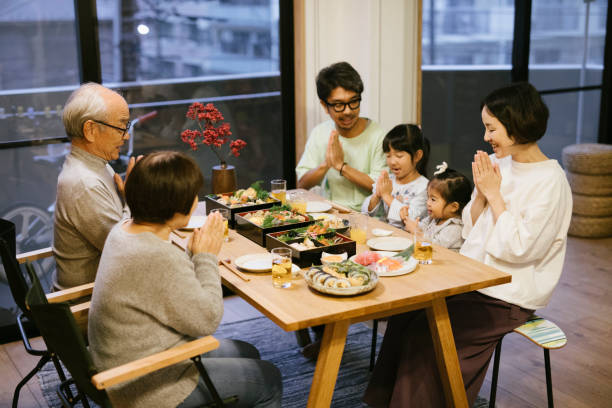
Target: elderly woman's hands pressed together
x=209 y=238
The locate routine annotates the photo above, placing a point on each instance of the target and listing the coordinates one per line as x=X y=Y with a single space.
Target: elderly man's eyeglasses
x=122 y=130
x=341 y=106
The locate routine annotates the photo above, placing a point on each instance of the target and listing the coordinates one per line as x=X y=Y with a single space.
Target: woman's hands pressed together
x=487 y=180
x=209 y=238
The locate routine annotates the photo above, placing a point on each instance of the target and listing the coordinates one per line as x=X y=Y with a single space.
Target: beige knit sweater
x=150 y=296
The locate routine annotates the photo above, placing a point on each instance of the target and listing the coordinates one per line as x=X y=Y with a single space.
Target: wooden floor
x=581 y=371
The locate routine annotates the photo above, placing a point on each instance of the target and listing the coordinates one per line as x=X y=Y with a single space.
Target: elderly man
x=88 y=204
x=343 y=154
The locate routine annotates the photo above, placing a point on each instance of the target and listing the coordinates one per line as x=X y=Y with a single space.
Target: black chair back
x=14 y=275
x=62 y=335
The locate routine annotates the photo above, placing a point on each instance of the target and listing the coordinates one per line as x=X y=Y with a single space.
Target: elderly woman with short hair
x=150 y=296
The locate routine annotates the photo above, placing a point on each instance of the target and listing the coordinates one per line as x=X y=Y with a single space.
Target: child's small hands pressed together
x=410 y=225
x=384 y=187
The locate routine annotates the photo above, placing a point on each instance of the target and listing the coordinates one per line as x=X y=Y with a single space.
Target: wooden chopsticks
x=227 y=263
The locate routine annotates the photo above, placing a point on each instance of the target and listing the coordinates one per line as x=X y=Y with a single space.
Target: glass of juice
x=423 y=251
x=297 y=201
x=279 y=190
x=225 y=214
x=281 y=268
x=359 y=228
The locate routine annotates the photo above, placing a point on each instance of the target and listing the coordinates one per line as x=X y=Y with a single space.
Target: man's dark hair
x=520 y=108
x=339 y=74
x=162 y=184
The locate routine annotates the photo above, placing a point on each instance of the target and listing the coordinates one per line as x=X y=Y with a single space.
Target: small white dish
x=332 y=257
x=317 y=206
x=379 y=232
x=395 y=244
x=196 y=221
x=259 y=263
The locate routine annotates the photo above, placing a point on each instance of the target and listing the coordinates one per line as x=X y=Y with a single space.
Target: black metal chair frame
x=19 y=288
x=494 y=377
x=36 y=299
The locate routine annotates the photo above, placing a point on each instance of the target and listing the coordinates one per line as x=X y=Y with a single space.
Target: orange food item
x=332 y=258
x=391 y=264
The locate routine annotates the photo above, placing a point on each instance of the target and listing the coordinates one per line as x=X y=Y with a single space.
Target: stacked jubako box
x=589 y=172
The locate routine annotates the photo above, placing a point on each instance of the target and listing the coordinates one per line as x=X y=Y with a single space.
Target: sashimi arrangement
x=386 y=263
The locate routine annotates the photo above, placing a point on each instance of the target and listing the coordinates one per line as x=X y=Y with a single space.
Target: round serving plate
x=258 y=263
x=407 y=266
x=395 y=244
x=352 y=291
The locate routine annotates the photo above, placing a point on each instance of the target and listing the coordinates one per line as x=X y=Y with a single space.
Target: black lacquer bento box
x=213 y=204
x=258 y=233
x=308 y=257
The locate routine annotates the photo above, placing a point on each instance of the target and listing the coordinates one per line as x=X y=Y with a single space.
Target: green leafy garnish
x=262 y=194
x=406 y=254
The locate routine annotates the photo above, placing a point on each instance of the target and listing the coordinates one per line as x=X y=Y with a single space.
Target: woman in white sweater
x=150 y=295
x=517 y=222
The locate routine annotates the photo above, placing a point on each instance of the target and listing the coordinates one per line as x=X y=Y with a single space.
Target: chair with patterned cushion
x=544 y=334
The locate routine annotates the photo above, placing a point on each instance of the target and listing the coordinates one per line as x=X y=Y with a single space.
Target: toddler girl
x=447 y=193
x=406 y=152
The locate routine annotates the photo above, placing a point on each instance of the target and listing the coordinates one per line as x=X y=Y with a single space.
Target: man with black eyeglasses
x=344 y=155
x=89 y=202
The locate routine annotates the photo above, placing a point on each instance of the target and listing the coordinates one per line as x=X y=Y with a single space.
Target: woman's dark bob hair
x=162 y=184
x=520 y=108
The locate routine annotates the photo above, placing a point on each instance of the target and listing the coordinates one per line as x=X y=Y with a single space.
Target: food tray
x=351 y=291
x=258 y=234
x=213 y=204
x=309 y=257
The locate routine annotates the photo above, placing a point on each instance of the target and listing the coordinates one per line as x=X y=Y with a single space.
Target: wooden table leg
x=328 y=364
x=446 y=354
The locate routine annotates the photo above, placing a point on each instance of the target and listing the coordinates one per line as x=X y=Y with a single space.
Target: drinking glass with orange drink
x=281 y=267
x=297 y=202
x=423 y=251
x=225 y=214
x=359 y=228
x=278 y=190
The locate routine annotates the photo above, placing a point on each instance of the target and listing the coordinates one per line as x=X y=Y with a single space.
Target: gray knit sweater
x=86 y=209
x=150 y=296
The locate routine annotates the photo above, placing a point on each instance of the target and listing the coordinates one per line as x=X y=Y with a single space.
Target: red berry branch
x=212 y=133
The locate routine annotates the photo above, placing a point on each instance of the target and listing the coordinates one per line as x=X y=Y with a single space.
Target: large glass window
x=167 y=54
x=467 y=49
x=467 y=52
x=38 y=69
x=467 y=32
x=566 y=51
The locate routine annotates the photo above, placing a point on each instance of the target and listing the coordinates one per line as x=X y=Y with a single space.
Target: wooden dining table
x=300 y=307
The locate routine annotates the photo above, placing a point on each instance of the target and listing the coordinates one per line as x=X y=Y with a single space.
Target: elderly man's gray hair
x=85 y=103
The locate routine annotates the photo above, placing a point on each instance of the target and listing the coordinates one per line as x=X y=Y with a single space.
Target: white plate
x=317 y=206
x=196 y=221
x=396 y=244
x=379 y=232
x=322 y=216
x=408 y=266
x=258 y=263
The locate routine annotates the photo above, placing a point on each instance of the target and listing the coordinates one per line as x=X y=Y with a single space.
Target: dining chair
x=19 y=287
x=60 y=331
x=542 y=333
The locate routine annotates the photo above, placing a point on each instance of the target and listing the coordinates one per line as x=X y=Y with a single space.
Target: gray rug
x=281 y=348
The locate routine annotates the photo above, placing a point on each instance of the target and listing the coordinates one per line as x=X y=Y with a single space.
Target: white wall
x=381 y=39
